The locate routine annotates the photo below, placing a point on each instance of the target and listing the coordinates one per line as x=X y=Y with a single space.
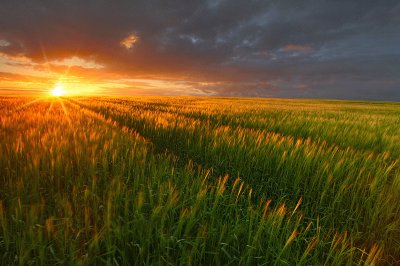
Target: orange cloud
x=129 y=41
x=15 y=59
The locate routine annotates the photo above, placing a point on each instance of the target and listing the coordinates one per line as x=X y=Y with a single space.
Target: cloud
x=129 y=41
x=4 y=43
x=297 y=48
x=77 y=61
x=340 y=49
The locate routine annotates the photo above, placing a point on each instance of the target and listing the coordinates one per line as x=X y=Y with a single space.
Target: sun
x=58 y=90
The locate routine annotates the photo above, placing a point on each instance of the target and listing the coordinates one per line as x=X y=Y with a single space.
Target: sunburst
x=58 y=90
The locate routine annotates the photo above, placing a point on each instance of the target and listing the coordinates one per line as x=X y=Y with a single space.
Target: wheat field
x=196 y=180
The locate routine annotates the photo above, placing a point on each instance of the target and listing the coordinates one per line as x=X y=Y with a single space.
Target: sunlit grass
x=199 y=181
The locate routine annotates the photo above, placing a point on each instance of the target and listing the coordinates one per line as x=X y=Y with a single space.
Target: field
x=212 y=181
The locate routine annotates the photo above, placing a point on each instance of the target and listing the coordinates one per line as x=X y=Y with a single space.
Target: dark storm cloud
x=334 y=49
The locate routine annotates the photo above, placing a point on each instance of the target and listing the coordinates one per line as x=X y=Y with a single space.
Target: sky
x=333 y=49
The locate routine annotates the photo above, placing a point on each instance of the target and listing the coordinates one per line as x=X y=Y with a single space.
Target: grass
x=184 y=180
